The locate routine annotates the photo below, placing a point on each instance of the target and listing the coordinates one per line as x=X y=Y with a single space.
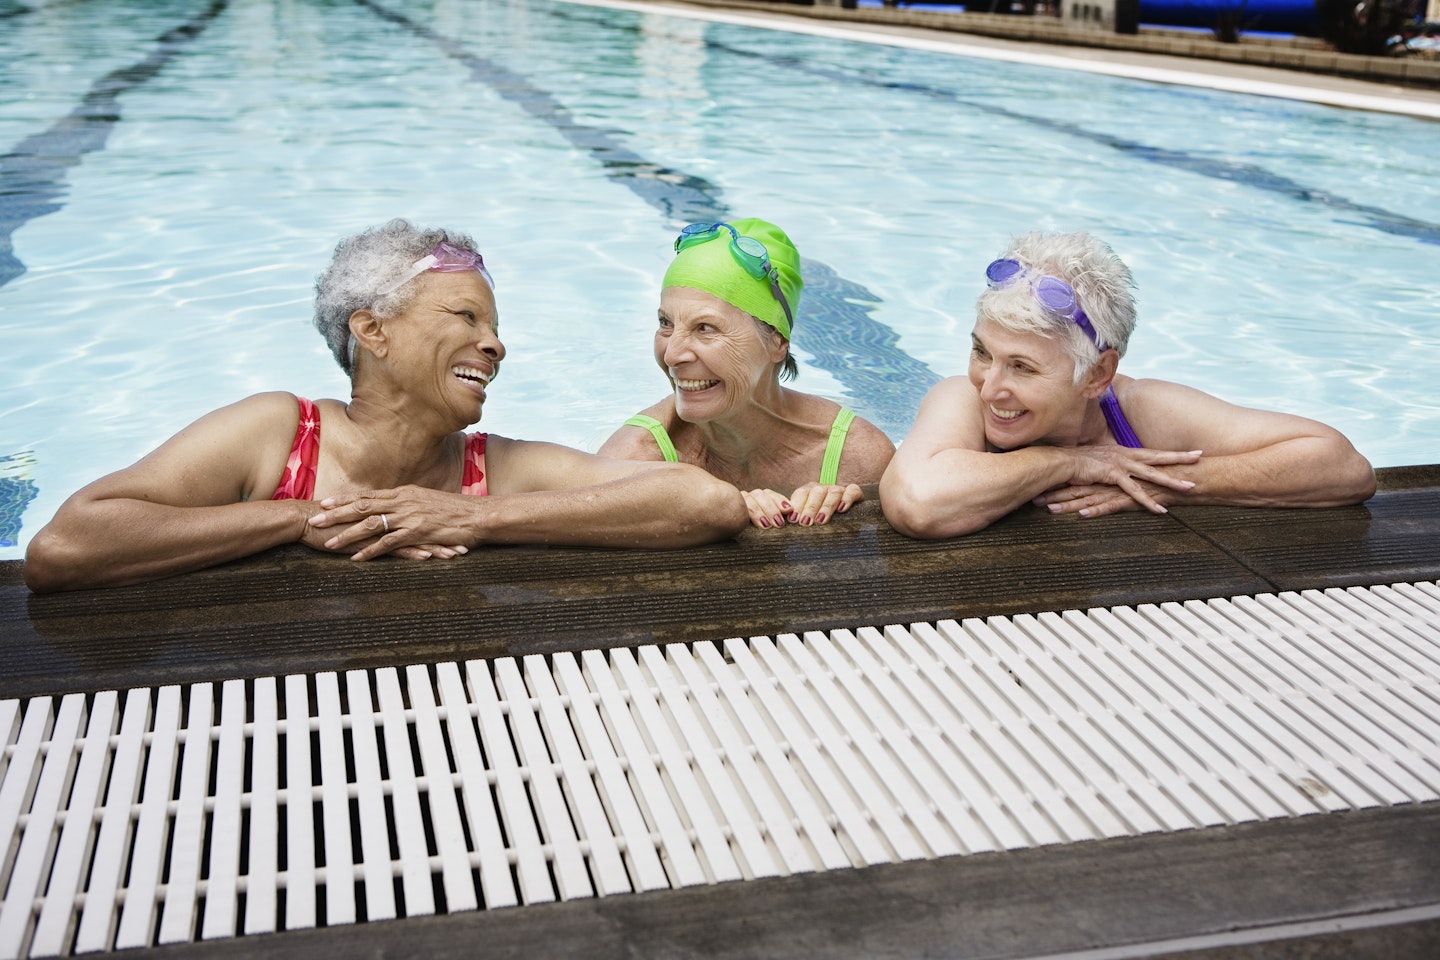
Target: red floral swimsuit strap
x=473 y=481
x=298 y=480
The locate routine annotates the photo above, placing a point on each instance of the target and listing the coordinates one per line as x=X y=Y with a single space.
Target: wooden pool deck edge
x=292 y=610
x=1355 y=884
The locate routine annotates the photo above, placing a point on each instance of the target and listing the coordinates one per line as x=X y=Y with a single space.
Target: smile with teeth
x=693 y=385
x=1006 y=414
x=472 y=374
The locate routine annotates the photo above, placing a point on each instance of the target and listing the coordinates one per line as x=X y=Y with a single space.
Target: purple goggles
x=1052 y=293
x=445 y=258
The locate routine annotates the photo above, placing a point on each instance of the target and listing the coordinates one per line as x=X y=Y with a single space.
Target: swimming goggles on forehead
x=750 y=253
x=1052 y=293
x=445 y=258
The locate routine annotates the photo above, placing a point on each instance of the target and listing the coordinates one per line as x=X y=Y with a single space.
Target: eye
x=979 y=352
x=468 y=315
x=665 y=323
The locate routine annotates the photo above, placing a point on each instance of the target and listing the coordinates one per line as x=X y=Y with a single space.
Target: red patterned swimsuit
x=298 y=480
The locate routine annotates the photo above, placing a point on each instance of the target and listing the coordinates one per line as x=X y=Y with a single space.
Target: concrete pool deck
x=1275 y=888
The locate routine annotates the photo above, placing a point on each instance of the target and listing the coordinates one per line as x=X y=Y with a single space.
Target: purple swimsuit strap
x=1115 y=418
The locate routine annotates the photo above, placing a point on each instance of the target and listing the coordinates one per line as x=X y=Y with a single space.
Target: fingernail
x=1085 y=512
x=1055 y=508
x=1189 y=484
x=785 y=505
x=333 y=542
x=328 y=502
x=806 y=521
x=780 y=521
x=460 y=549
x=821 y=518
x=317 y=520
x=765 y=521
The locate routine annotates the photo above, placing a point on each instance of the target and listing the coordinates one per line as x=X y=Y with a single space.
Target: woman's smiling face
x=449 y=332
x=715 y=354
x=1027 y=387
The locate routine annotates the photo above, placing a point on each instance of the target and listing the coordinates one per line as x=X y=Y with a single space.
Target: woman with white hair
x=410 y=315
x=1043 y=417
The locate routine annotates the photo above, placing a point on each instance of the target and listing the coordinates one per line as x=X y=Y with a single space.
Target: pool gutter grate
x=171 y=814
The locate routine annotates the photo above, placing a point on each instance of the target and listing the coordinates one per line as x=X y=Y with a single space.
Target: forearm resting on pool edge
x=116 y=541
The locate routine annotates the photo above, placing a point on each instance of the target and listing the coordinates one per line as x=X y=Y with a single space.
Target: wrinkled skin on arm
x=542 y=493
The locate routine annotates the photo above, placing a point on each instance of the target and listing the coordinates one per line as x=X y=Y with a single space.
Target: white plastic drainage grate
x=167 y=815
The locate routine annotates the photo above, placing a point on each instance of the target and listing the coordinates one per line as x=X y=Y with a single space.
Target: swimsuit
x=829 y=466
x=298 y=480
x=1120 y=428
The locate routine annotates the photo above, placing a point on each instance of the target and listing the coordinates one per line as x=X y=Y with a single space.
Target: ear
x=1101 y=373
x=776 y=345
x=369 y=332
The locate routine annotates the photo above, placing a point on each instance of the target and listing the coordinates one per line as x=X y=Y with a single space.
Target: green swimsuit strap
x=657 y=430
x=830 y=466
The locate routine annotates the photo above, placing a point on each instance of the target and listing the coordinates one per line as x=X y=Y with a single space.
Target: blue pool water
x=175 y=173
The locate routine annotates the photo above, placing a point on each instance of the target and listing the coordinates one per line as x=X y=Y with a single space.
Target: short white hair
x=1102 y=285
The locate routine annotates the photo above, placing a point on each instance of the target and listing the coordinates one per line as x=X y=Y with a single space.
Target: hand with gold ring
x=425 y=522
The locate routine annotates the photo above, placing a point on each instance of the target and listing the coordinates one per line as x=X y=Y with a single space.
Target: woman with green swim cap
x=728 y=305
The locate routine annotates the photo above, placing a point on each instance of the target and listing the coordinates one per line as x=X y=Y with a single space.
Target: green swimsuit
x=829 y=467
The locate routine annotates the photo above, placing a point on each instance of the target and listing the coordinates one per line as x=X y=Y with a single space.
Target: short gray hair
x=363 y=265
x=1102 y=285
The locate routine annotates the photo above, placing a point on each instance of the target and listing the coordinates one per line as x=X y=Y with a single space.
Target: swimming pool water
x=175 y=173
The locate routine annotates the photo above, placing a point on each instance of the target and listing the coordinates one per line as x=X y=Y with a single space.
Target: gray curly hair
x=1102 y=285
x=363 y=265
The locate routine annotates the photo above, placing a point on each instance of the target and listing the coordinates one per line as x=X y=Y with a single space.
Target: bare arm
x=944 y=483
x=1253 y=458
x=542 y=493
x=178 y=509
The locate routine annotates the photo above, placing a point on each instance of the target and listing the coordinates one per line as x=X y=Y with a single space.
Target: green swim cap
x=710 y=268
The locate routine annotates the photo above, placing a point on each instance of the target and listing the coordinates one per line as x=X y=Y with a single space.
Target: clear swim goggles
x=750 y=253
x=1052 y=293
x=445 y=258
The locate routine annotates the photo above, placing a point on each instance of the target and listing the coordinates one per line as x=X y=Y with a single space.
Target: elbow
x=46 y=569
x=1362 y=481
x=917 y=511
x=718 y=510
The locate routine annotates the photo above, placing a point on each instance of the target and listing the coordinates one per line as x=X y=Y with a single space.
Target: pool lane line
x=33 y=172
x=884 y=383
x=1245 y=174
x=867 y=33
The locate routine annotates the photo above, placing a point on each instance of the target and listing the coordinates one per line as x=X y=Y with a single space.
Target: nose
x=677 y=350
x=993 y=383
x=489 y=344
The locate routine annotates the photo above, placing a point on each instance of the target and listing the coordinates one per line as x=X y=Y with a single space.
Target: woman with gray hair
x=1043 y=416
x=410 y=315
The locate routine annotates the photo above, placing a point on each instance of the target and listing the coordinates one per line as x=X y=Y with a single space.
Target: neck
x=749 y=444
x=391 y=442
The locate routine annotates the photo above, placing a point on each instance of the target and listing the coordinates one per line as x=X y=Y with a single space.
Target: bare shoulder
x=867 y=453
x=638 y=443
x=1173 y=416
x=233 y=453
x=949 y=416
